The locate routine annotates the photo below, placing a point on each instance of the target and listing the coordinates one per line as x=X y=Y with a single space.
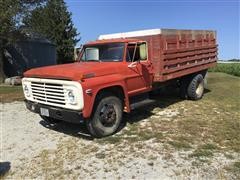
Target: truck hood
x=74 y=71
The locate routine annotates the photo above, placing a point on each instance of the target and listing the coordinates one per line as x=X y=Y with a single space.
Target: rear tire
x=195 y=88
x=50 y=120
x=107 y=116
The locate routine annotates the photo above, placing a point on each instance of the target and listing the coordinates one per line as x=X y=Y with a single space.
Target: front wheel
x=107 y=117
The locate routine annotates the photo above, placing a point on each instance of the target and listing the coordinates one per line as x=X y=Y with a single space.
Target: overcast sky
x=95 y=17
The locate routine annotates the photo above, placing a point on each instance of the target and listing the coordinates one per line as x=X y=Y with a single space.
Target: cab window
x=136 y=52
x=109 y=52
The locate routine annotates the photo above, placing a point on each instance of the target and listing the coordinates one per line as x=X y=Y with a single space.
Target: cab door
x=139 y=74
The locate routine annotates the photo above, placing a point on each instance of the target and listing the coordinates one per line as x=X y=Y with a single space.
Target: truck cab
x=107 y=70
x=128 y=58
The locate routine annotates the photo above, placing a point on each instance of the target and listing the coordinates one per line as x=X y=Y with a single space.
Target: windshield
x=103 y=52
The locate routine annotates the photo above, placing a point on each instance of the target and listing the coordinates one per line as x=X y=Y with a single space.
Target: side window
x=143 y=51
x=136 y=52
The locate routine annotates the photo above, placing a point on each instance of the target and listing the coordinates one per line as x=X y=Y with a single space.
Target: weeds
x=180 y=144
x=231 y=68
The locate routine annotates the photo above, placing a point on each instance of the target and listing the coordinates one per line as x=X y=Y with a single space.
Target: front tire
x=107 y=117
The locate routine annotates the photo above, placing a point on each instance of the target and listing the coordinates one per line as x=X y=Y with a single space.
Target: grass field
x=11 y=93
x=229 y=68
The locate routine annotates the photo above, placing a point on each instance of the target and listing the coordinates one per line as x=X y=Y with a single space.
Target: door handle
x=132 y=65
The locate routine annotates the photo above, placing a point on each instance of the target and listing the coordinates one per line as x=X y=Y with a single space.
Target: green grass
x=11 y=93
x=229 y=68
x=180 y=144
x=10 y=89
x=237 y=165
x=209 y=146
x=204 y=151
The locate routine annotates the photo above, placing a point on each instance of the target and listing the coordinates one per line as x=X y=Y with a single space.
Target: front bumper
x=62 y=114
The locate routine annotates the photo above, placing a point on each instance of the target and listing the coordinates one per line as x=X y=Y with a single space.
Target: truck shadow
x=4 y=168
x=164 y=98
x=76 y=130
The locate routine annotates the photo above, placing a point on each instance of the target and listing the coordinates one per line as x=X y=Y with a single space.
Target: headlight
x=71 y=97
x=26 y=90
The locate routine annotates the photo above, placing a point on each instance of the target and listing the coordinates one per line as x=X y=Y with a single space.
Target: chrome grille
x=48 y=93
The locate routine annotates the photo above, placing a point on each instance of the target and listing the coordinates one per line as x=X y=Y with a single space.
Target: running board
x=144 y=102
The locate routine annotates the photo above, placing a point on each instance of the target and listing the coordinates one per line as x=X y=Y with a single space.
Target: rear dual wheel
x=192 y=88
x=196 y=88
x=107 y=116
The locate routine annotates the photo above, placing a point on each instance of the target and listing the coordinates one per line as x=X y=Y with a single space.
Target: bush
x=229 y=68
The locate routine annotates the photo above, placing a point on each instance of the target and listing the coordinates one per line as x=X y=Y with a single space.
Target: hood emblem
x=89 y=75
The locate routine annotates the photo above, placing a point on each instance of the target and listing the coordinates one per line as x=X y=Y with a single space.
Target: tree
x=11 y=14
x=54 y=22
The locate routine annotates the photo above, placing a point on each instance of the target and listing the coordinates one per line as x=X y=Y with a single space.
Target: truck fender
x=90 y=99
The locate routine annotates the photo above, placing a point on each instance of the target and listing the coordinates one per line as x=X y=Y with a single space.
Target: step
x=144 y=102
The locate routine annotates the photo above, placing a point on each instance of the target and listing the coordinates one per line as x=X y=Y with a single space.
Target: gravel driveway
x=36 y=149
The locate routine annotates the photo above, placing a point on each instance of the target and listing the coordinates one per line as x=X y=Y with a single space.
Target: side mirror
x=133 y=64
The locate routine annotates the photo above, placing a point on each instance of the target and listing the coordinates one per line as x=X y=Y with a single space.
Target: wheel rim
x=200 y=89
x=108 y=115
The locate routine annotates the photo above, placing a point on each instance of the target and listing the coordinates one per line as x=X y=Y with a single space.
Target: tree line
x=49 y=19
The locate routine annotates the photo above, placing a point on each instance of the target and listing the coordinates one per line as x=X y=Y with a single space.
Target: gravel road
x=36 y=149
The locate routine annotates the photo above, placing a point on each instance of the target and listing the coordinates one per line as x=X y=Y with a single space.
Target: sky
x=95 y=17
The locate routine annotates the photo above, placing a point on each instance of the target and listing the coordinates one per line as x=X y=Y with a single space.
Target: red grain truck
x=115 y=73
